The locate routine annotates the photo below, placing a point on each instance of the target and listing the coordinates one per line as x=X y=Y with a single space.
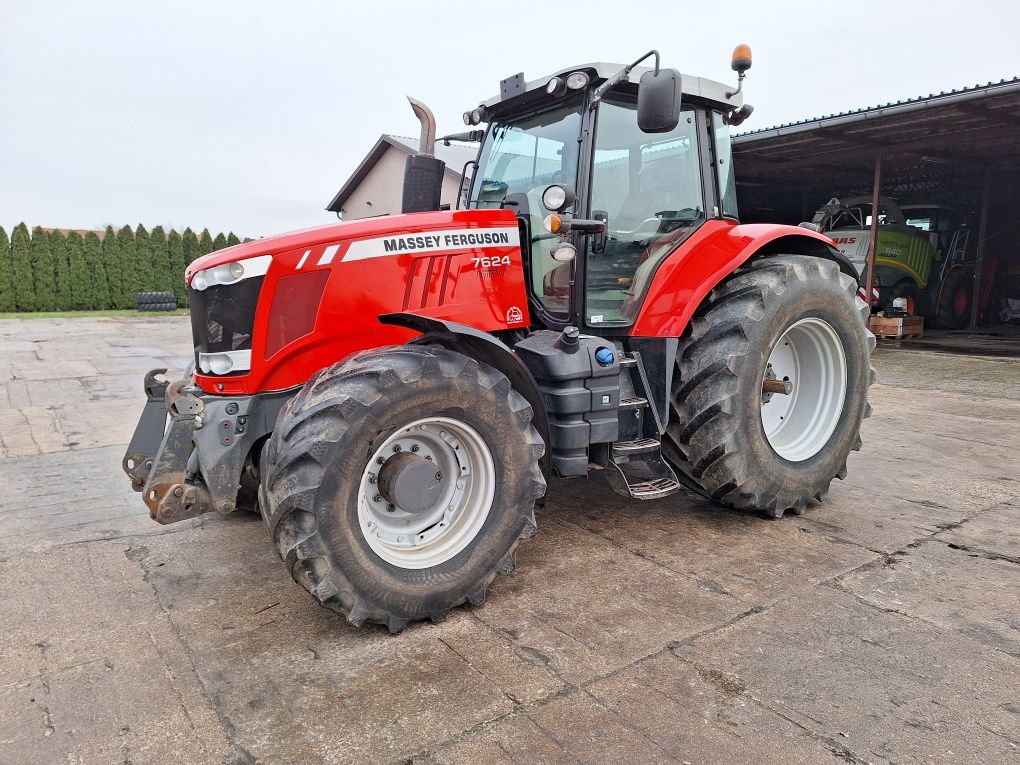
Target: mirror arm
x=584 y=225
x=460 y=186
x=472 y=136
x=615 y=80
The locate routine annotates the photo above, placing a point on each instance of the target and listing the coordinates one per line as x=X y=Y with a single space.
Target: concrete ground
x=882 y=626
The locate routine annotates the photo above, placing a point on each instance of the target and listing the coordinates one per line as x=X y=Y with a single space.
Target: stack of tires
x=156 y=301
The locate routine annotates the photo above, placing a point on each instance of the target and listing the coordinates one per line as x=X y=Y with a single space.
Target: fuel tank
x=269 y=313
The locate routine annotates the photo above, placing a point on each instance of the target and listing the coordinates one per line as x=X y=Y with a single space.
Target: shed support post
x=876 y=207
x=979 y=256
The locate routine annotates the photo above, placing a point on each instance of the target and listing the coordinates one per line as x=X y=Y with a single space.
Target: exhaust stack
x=423 y=173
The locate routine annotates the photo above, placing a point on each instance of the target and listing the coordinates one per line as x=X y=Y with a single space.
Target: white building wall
x=381 y=191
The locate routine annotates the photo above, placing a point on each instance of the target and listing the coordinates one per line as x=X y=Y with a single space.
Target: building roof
x=970 y=126
x=936 y=147
x=455 y=155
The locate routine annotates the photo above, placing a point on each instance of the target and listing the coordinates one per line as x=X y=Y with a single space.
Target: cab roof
x=695 y=87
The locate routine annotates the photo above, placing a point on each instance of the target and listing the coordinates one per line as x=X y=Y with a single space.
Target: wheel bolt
x=439 y=476
x=396 y=447
x=371 y=478
x=377 y=498
x=381 y=460
x=389 y=508
x=415 y=448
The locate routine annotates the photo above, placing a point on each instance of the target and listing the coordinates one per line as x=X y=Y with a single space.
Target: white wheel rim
x=437 y=534
x=811 y=356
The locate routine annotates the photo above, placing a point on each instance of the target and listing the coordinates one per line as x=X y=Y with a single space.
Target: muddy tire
x=788 y=316
x=952 y=311
x=337 y=443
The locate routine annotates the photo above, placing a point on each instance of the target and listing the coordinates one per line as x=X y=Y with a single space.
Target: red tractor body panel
x=694 y=269
x=325 y=288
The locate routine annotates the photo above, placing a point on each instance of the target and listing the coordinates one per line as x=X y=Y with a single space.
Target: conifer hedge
x=46 y=270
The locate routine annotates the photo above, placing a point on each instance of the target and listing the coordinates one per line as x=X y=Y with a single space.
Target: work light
x=577 y=80
x=556 y=87
x=563 y=252
x=557 y=197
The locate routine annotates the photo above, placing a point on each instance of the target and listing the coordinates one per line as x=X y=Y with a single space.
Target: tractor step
x=655 y=488
x=636 y=469
x=635 y=446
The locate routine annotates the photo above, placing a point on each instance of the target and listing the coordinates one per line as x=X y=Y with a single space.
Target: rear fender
x=711 y=254
x=484 y=348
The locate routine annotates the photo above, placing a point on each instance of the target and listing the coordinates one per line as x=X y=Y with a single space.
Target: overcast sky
x=249 y=116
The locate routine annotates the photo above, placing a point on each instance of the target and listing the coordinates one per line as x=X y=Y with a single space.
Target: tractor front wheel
x=772 y=385
x=397 y=484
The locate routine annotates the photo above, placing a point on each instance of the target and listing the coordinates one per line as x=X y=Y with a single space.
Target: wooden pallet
x=898 y=327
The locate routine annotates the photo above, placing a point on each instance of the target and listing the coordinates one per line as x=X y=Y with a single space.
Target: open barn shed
x=944 y=166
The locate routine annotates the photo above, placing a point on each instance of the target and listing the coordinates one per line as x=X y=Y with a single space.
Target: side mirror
x=658 y=101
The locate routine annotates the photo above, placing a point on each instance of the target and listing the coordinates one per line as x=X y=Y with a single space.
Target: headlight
x=230 y=273
x=225 y=362
x=217 y=363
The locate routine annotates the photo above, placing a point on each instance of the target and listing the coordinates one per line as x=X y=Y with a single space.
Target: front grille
x=222 y=316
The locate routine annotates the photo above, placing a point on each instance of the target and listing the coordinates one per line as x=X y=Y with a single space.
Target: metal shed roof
x=969 y=127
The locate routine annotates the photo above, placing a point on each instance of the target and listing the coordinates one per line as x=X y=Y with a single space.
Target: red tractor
x=393 y=394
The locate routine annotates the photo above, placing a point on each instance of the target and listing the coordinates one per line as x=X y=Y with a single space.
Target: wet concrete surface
x=881 y=626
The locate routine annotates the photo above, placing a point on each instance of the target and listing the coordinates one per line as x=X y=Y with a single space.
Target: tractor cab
x=601 y=197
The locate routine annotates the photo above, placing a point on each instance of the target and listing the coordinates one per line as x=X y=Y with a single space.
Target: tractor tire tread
x=294 y=463
x=700 y=440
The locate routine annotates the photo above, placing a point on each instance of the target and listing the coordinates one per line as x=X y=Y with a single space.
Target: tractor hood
x=334 y=232
x=268 y=314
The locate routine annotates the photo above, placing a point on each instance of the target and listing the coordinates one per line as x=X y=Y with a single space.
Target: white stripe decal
x=433 y=241
x=303 y=259
x=327 y=255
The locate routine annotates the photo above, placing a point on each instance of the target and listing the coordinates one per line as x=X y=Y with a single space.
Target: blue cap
x=605 y=356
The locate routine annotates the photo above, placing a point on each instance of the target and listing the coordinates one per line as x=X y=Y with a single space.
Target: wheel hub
x=426 y=492
x=410 y=482
x=807 y=366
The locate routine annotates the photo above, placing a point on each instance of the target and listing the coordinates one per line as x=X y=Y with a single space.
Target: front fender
x=483 y=347
x=711 y=254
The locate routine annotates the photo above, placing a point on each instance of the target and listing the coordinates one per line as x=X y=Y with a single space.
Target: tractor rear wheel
x=398 y=483
x=772 y=386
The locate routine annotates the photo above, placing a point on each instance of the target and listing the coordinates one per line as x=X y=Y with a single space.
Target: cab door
x=649 y=189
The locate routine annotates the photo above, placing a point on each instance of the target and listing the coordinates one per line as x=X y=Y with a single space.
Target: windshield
x=520 y=155
x=518 y=160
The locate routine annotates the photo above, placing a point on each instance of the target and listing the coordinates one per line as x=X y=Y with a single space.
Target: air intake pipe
x=423 y=173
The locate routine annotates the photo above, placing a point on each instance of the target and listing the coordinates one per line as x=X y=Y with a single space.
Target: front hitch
x=138 y=460
x=190 y=449
x=158 y=456
x=167 y=493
